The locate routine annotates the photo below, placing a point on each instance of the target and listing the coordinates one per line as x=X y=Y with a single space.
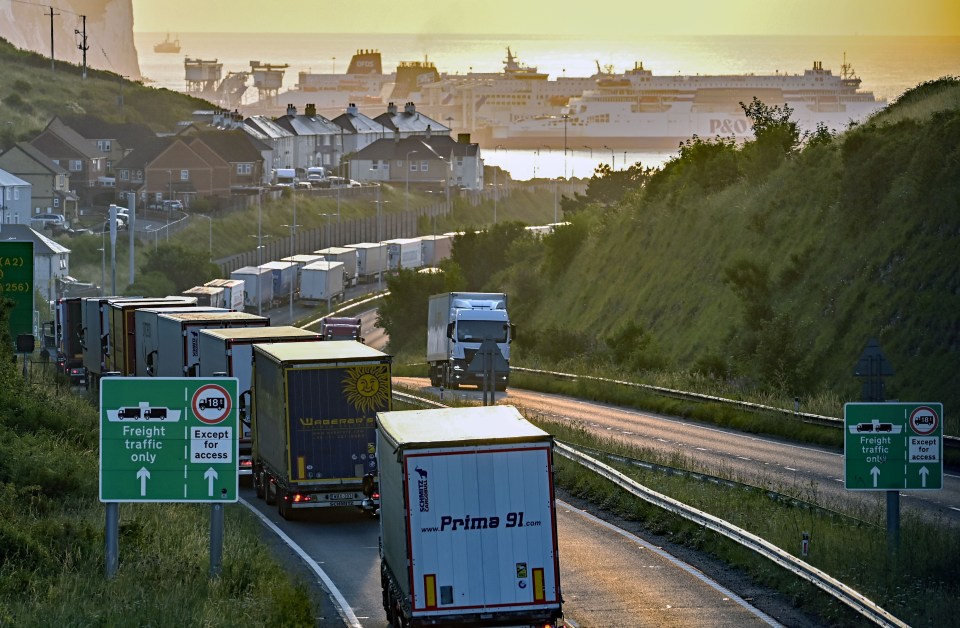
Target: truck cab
x=461 y=326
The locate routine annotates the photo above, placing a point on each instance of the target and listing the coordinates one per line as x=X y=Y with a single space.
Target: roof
x=231 y=146
x=226 y=316
x=145 y=153
x=266 y=128
x=409 y=120
x=260 y=333
x=10 y=180
x=38 y=156
x=128 y=134
x=71 y=138
x=360 y=124
x=320 y=351
x=42 y=245
x=390 y=149
x=484 y=425
x=308 y=125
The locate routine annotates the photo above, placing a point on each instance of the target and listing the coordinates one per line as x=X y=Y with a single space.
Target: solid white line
x=340 y=602
x=770 y=621
x=954 y=508
x=744 y=458
x=789 y=468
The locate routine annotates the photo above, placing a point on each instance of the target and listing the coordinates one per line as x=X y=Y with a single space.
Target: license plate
x=337 y=496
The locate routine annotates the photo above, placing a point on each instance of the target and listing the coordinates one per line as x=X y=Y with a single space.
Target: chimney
x=291 y=110
x=429 y=131
x=392 y=108
x=310 y=110
x=352 y=109
x=463 y=138
x=410 y=108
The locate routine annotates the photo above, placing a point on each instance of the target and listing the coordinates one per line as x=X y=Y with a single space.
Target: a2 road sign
x=893 y=446
x=168 y=439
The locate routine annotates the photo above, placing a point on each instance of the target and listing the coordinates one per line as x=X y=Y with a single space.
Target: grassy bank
x=52 y=535
x=918 y=584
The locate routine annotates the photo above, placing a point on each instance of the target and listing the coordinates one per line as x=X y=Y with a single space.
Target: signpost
x=16 y=283
x=486 y=362
x=168 y=439
x=893 y=446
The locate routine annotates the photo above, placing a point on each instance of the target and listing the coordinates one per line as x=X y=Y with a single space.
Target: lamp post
x=103 y=265
x=589 y=149
x=613 y=158
x=293 y=230
x=210 y=220
x=170 y=196
x=496 y=193
x=565 y=116
x=406 y=200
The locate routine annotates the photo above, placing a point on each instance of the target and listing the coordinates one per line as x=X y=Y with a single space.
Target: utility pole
x=52 y=67
x=83 y=44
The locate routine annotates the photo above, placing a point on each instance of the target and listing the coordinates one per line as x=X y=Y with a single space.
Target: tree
x=482 y=254
x=776 y=136
x=403 y=313
x=185 y=268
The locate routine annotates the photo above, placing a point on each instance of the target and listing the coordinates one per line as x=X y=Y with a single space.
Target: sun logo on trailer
x=367 y=388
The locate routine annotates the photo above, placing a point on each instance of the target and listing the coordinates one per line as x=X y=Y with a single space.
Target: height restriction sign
x=893 y=446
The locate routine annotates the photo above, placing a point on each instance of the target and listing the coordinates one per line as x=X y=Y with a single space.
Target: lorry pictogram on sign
x=211 y=404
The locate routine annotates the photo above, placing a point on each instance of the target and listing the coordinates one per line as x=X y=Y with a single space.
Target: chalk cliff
x=109 y=32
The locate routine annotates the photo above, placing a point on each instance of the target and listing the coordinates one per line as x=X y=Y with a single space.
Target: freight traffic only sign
x=893 y=446
x=168 y=439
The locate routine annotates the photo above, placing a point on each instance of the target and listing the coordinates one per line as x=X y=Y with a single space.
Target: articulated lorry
x=468 y=530
x=68 y=333
x=314 y=413
x=229 y=352
x=341 y=328
x=458 y=323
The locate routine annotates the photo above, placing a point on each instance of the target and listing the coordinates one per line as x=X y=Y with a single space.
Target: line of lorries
x=465 y=496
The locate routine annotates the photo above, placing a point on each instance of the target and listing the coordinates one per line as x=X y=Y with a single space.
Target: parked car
x=44 y=220
x=166 y=205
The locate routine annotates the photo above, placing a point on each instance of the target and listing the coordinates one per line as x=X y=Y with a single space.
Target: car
x=173 y=206
x=44 y=220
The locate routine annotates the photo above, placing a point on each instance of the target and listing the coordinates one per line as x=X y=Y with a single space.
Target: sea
x=888 y=66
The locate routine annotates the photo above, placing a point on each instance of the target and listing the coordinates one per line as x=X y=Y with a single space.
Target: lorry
x=458 y=323
x=229 y=352
x=285 y=177
x=435 y=249
x=232 y=292
x=95 y=335
x=147 y=342
x=68 y=334
x=317 y=176
x=340 y=328
x=313 y=423
x=404 y=253
x=371 y=259
x=208 y=296
x=285 y=275
x=321 y=281
x=468 y=528
x=257 y=287
x=346 y=255
x=178 y=353
x=122 y=345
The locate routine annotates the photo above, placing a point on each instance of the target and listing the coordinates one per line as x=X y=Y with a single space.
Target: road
x=608 y=577
x=806 y=471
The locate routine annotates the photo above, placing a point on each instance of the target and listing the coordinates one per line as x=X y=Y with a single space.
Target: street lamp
x=565 y=116
x=406 y=205
x=589 y=149
x=210 y=220
x=613 y=158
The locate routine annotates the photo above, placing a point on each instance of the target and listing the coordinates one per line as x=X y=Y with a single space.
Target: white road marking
x=789 y=468
x=744 y=458
x=770 y=621
x=954 y=508
x=340 y=602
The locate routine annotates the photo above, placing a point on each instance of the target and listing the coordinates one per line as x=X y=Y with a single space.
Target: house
x=236 y=150
x=15 y=200
x=422 y=162
x=280 y=140
x=410 y=122
x=358 y=131
x=81 y=158
x=51 y=261
x=318 y=140
x=49 y=183
x=168 y=169
x=114 y=140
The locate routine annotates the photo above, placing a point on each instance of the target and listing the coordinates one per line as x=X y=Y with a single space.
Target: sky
x=614 y=18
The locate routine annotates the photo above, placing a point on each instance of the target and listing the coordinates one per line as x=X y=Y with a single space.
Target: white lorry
x=458 y=323
x=468 y=530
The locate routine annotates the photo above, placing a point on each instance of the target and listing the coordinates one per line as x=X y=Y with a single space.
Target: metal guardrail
x=857 y=601
x=953 y=442
x=346 y=306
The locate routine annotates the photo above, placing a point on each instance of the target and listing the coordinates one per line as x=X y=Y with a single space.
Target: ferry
x=638 y=109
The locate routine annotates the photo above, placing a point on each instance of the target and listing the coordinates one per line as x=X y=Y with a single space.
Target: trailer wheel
x=282 y=508
x=258 y=484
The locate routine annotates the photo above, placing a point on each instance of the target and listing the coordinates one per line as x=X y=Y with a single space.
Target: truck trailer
x=371 y=259
x=468 y=530
x=68 y=334
x=458 y=323
x=346 y=255
x=341 y=328
x=321 y=281
x=314 y=415
x=122 y=347
x=229 y=352
x=147 y=343
x=178 y=353
x=232 y=292
x=257 y=287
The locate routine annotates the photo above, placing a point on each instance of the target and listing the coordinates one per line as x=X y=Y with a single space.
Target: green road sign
x=16 y=283
x=893 y=446
x=168 y=439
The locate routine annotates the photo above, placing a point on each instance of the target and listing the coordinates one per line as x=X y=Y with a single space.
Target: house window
x=56 y=201
x=16 y=193
x=184 y=175
x=399 y=163
x=424 y=166
x=459 y=162
x=103 y=145
x=76 y=165
x=243 y=169
x=413 y=166
x=139 y=175
x=124 y=175
x=375 y=165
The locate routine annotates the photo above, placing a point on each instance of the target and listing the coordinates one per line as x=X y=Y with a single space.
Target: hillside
x=30 y=96
x=769 y=266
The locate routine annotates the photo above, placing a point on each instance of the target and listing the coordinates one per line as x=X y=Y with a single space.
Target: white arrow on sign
x=924 y=472
x=875 y=472
x=143 y=475
x=210 y=476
